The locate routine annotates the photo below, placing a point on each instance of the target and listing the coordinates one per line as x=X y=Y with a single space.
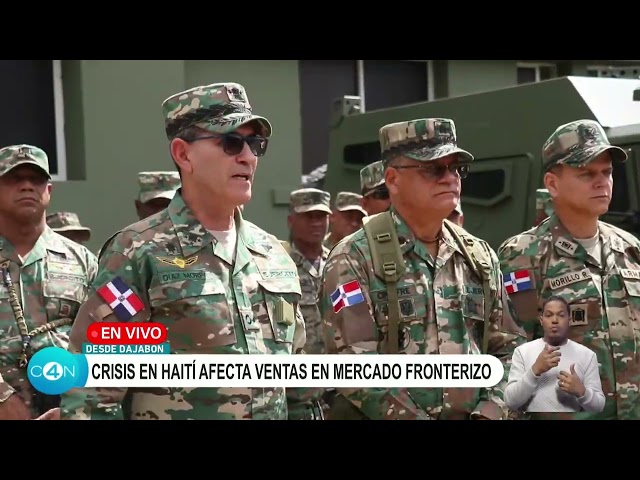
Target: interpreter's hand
x=53 y=414
x=571 y=383
x=14 y=408
x=548 y=358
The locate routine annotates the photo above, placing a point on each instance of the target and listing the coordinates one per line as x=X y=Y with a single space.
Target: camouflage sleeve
x=353 y=330
x=5 y=390
x=92 y=267
x=505 y=335
x=103 y=403
x=299 y=399
x=521 y=254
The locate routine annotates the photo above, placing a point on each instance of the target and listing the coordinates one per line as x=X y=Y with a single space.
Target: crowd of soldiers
x=428 y=286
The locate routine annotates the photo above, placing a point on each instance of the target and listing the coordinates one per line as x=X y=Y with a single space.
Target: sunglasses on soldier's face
x=438 y=170
x=233 y=143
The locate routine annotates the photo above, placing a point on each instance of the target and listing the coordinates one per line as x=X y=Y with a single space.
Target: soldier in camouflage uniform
x=156 y=190
x=594 y=266
x=68 y=225
x=217 y=282
x=445 y=303
x=43 y=282
x=346 y=217
x=308 y=222
x=544 y=206
x=375 y=195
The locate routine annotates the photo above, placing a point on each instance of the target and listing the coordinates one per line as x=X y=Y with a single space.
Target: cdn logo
x=54 y=370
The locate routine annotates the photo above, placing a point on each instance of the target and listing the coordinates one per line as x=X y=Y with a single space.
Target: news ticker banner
x=113 y=359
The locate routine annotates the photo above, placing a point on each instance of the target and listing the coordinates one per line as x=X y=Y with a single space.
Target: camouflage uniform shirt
x=310 y=279
x=210 y=304
x=442 y=312
x=604 y=296
x=51 y=284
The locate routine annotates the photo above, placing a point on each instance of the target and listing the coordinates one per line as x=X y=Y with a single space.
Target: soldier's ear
x=550 y=180
x=391 y=179
x=179 y=151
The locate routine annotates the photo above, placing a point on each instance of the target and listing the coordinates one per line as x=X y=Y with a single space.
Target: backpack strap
x=479 y=261
x=388 y=264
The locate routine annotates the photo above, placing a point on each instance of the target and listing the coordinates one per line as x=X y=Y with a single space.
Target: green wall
x=114 y=129
x=463 y=77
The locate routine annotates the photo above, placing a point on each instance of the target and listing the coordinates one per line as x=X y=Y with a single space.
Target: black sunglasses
x=233 y=143
x=438 y=171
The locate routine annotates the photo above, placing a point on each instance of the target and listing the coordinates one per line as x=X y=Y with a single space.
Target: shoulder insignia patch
x=346 y=295
x=517 y=281
x=121 y=299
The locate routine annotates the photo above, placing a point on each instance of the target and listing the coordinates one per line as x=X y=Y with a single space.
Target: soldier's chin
x=242 y=197
x=29 y=213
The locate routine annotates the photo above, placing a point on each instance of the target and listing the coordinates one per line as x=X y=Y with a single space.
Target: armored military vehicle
x=504 y=129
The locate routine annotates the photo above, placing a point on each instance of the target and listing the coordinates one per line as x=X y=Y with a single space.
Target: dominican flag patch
x=124 y=303
x=517 y=281
x=346 y=295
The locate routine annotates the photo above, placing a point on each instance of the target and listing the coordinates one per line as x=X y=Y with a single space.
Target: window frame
x=361 y=80
x=58 y=105
x=536 y=66
x=612 y=68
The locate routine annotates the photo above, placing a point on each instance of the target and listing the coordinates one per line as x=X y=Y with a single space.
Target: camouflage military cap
x=578 y=143
x=16 y=155
x=65 y=221
x=346 y=201
x=543 y=201
x=371 y=177
x=218 y=108
x=310 y=200
x=157 y=185
x=425 y=140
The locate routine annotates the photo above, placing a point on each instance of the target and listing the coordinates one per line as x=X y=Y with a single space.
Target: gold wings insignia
x=178 y=262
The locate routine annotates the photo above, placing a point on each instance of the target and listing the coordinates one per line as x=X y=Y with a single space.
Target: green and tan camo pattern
x=157 y=185
x=185 y=280
x=578 y=143
x=425 y=139
x=228 y=103
x=51 y=284
x=64 y=221
x=441 y=314
x=310 y=280
x=371 y=176
x=543 y=201
x=309 y=200
x=14 y=155
x=604 y=296
x=346 y=201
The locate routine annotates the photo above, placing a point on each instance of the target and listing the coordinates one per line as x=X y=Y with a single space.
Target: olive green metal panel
x=505 y=130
